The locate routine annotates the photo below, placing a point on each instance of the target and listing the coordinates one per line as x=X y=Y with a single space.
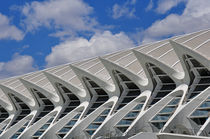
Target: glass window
x=90 y=132
x=132 y=114
x=161 y=117
x=138 y=107
x=93 y=126
x=72 y=122
x=76 y=116
x=167 y=110
x=21 y=129
x=200 y=113
x=14 y=136
x=38 y=133
x=100 y=119
x=106 y=111
x=205 y=104
x=65 y=129
x=45 y=126
x=174 y=101
x=125 y=122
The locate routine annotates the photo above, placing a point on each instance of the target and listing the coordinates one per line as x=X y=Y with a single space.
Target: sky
x=35 y=35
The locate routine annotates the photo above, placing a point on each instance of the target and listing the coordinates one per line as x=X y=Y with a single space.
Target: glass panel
x=132 y=114
x=198 y=74
x=93 y=126
x=99 y=96
x=128 y=90
x=98 y=121
x=200 y=113
x=138 y=107
x=63 y=131
x=22 y=108
x=167 y=110
x=71 y=100
x=44 y=127
x=163 y=84
x=128 y=119
x=174 y=101
x=205 y=104
x=125 y=122
x=161 y=117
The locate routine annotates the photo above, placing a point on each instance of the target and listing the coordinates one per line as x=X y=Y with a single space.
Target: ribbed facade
x=156 y=91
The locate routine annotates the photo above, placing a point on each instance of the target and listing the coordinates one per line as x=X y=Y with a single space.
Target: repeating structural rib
x=159 y=115
x=5 y=106
x=29 y=101
x=126 y=88
x=111 y=67
x=201 y=116
x=7 y=111
x=81 y=74
x=49 y=107
x=53 y=96
x=55 y=80
x=22 y=113
x=129 y=92
x=123 y=120
x=101 y=104
x=196 y=69
x=192 y=118
x=75 y=102
x=163 y=78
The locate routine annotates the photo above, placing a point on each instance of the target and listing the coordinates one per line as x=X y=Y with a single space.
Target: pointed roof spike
x=143 y=59
x=110 y=66
x=53 y=97
x=30 y=102
x=109 y=88
x=80 y=93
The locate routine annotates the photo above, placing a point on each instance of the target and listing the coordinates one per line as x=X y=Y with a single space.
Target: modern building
x=155 y=91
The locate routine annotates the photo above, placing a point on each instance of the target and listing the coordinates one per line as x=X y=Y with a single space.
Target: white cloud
x=196 y=16
x=126 y=10
x=19 y=64
x=8 y=31
x=166 y=5
x=150 y=5
x=81 y=48
x=68 y=17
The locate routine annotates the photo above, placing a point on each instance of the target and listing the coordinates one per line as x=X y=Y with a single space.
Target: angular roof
x=161 y=50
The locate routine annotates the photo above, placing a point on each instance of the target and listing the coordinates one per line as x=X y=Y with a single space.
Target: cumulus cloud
x=166 y=5
x=196 y=16
x=18 y=65
x=125 y=10
x=8 y=31
x=68 y=17
x=81 y=48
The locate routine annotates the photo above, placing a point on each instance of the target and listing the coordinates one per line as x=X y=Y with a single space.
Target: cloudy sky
x=39 y=34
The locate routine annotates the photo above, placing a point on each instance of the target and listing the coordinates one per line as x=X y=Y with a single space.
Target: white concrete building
x=155 y=91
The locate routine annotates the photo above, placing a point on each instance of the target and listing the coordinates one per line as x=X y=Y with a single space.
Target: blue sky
x=39 y=34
